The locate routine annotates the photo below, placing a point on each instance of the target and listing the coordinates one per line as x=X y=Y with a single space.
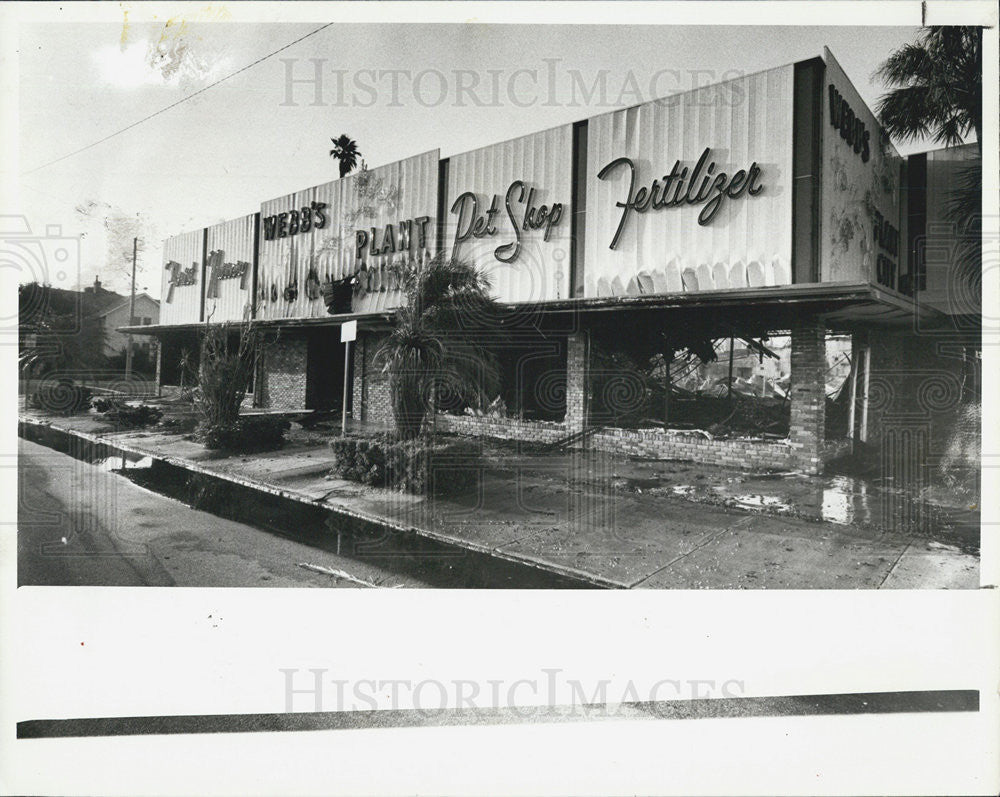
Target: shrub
x=60 y=395
x=182 y=424
x=228 y=354
x=246 y=435
x=416 y=465
x=127 y=415
x=105 y=404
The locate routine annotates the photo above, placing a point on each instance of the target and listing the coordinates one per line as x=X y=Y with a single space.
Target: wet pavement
x=875 y=504
x=606 y=521
x=81 y=524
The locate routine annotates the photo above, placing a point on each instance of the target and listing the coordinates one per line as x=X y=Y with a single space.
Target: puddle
x=635 y=485
x=881 y=504
x=769 y=502
x=847 y=500
x=119 y=462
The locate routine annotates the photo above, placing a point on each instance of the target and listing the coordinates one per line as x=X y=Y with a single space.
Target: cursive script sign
x=220 y=270
x=179 y=277
x=700 y=186
x=471 y=224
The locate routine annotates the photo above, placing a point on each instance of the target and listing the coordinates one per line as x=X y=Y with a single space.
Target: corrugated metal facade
x=544 y=163
x=852 y=189
x=229 y=270
x=180 y=293
x=293 y=268
x=748 y=242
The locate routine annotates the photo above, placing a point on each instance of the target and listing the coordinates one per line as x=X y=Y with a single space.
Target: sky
x=398 y=90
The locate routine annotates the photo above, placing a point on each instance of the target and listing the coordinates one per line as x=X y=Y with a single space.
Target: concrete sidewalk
x=568 y=515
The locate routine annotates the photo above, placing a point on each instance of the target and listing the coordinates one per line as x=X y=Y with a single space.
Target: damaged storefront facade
x=746 y=274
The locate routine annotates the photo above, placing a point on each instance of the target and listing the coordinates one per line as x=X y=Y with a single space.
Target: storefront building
x=767 y=205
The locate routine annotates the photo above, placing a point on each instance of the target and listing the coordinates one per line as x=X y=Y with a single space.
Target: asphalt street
x=85 y=524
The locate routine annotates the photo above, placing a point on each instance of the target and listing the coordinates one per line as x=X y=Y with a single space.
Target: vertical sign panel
x=509 y=214
x=229 y=270
x=943 y=243
x=181 y=286
x=860 y=221
x=337 y=247
x=692 y=192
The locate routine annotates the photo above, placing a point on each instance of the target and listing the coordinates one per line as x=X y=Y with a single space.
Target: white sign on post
x=348 y=331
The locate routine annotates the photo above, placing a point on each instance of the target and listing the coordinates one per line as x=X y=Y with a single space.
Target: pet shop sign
x=521 y=210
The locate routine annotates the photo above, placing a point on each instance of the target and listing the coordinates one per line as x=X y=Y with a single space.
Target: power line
x=182 y=99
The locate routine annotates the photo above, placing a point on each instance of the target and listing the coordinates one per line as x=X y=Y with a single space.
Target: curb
x=374 y=523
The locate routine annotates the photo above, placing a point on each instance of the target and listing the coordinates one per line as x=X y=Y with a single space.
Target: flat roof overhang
x=365 y=321
x=843 y=306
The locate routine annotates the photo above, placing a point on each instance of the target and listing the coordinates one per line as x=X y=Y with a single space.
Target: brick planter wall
x=502 y=428
x=661 y=444
x=647 y=443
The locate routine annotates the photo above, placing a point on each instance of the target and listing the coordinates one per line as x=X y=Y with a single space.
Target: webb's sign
x=297 y=220
x=852 y=129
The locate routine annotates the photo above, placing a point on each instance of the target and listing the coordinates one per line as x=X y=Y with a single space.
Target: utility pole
x=131 y=316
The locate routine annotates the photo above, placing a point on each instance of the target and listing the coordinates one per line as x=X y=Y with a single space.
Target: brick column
x=284 y=373
x=806 y=431
x=360 y=374
x=577 y=381
x=372 y=401
x=159 y=366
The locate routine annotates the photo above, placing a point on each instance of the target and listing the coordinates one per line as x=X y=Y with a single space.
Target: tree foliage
x=345 y=151
x=434 y=347
x=938 y=86
x=939 y=94
x=226 y=367
x=65 y=336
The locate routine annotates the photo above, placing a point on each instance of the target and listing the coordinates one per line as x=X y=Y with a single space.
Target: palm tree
x=939 y=93
x=431 y=348
x=939 y=86
x=345 y=150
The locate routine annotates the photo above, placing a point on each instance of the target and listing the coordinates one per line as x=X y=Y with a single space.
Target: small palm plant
x=186 y=365
x=345 y=150
x=433 y=346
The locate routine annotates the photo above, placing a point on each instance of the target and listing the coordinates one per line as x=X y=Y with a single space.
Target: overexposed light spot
x=127 y=67
x=173 y=60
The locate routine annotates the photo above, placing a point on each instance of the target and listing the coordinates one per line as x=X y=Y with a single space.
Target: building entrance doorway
x=325 y=370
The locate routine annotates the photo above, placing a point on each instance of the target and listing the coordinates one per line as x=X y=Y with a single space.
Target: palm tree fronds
x=345 y=150
x=431 y=355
